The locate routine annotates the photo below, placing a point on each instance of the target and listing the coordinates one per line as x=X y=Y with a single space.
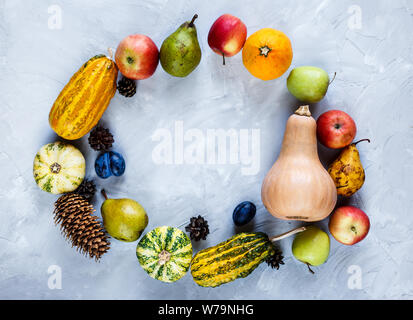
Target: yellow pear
x=347 y=171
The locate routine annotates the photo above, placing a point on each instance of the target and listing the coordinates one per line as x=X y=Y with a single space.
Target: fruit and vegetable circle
x=189 y=146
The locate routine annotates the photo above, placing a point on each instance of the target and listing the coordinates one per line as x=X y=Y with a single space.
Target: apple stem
x=103 y=192
x=223 y=59
x=355 y=143
x=334 y=77
x=191 y=24
x=308 y=265
x=287 y=234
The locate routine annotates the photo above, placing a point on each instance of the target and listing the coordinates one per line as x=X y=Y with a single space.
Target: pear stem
x=308 y=266
x=287 y=234
x=355 y=143
x=191 y=24
x=103 y=192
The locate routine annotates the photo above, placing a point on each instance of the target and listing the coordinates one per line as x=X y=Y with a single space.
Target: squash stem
x=55 y=168
x=287 y=234
x=110 y=51
x=164 y=257
x=303 y=111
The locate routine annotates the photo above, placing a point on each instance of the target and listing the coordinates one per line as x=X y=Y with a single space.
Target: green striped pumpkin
x=58 y=167
x=235 y=258
x=165 y=253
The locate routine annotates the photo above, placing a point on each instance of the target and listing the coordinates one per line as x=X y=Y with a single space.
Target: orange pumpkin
x=267 y=54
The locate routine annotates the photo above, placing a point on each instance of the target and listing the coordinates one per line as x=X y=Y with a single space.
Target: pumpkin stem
x=55 y=168
x=308 y=265
x=191 y=24
x=303 y=111
x=103 y=192
x=355 y=143
x=287 y=234
x=164 y=257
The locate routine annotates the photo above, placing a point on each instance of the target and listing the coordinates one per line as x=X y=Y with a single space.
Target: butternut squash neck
x=300 y=135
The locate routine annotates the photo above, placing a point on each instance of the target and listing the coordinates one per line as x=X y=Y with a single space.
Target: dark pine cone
x=80 y=226
x=127 y=87
x=198 y=228
x=100 y=139
x=87 y=189
x=276 y=259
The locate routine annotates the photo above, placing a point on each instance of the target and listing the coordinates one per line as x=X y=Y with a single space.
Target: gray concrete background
x=368 y=44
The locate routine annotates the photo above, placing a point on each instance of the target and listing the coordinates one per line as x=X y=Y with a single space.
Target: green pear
x=180 y=53
x=123 y=219
x=311 y=246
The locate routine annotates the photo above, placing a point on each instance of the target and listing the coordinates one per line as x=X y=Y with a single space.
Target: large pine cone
x=77 y=222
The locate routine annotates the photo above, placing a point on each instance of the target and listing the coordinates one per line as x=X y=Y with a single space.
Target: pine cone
x=198 y=228
x=87 y=189
x=100 y=139
x=127 y=87
x=276 y=259
x=80 y=226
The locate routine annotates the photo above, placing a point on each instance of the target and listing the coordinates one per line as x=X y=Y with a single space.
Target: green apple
x=308 y=84
x=311 y=246
x=124 y=219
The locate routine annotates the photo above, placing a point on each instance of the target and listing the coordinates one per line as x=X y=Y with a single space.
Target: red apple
x=137 y=57
x=349 y=225
x=227 y=36
x=335 y=129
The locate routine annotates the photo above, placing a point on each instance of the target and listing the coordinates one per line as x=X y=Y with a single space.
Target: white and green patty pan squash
x=59 y=167
x=165 y=253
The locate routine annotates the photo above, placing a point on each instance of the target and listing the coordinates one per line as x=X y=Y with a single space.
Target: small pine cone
x=276 y=259
x=87 y=189
x=100 y=139
x=198 y=228
x=127 y=87
x=80 y=226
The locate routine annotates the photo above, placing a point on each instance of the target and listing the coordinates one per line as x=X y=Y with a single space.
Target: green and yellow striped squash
x=58 y=168
x=235 y=258
x=84 y=99
x=165 y=253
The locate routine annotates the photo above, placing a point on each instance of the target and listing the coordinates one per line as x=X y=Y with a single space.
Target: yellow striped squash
x=58 y=168
x=165 y=253
x=235 y=258
x=84 y=99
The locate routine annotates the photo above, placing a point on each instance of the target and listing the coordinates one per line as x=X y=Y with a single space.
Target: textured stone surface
x=374 y=84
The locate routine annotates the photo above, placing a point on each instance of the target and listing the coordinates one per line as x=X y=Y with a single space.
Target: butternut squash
x=297 y=187
x=84 y=99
